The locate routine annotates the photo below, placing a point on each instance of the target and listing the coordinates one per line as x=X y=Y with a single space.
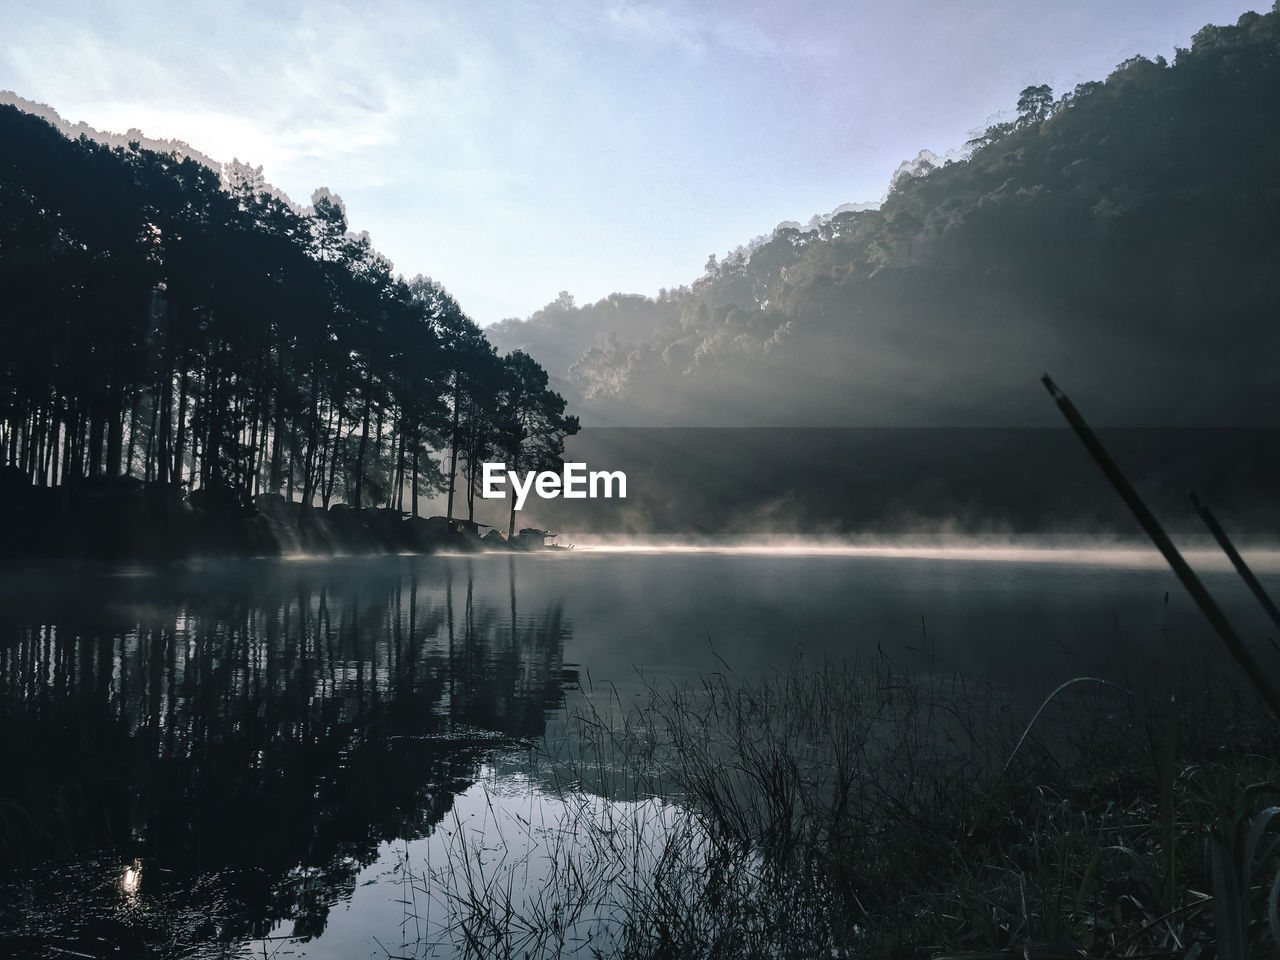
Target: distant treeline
x=1121 y=235
x=821 y=482
x=195 y=332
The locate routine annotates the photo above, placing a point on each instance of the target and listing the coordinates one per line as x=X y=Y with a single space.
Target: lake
x=287 y=757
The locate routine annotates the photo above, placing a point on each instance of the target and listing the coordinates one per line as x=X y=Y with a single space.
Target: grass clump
x=841 y=811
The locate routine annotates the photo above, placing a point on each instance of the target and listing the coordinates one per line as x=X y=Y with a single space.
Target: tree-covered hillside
x=1122 y=235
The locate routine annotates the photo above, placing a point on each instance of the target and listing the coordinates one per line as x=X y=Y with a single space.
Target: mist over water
x=1201 y=553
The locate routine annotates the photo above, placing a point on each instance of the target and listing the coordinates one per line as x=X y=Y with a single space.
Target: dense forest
x=167 y=325
x=1121 y=235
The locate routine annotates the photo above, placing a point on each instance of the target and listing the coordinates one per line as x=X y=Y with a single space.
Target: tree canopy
x=203 y=333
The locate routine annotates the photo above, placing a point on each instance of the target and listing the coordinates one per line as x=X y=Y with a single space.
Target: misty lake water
x=293 y=750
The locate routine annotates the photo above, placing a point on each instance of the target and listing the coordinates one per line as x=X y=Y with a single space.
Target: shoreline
x=120 y=519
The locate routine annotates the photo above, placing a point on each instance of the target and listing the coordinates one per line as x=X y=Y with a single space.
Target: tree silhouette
x=203 y=335
x=1034 y=104
x=533 y=422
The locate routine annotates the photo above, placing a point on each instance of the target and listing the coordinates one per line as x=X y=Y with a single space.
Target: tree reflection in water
x=250 y=733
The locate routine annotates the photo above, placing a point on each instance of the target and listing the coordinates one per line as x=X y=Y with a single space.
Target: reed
x=860 y=810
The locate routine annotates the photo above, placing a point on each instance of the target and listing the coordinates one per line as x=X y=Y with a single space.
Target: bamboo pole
x=1237 y=561
x=1151 y=525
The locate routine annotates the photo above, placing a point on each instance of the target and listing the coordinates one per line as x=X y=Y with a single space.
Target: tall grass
x=865 y=811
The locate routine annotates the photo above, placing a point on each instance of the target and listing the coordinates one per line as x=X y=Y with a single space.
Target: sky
x=511 y=150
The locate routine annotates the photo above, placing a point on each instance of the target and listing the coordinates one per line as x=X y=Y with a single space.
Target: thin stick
x=1237 y=561
x=1185 y=574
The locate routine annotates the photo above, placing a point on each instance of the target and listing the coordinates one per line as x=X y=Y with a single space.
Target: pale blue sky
x=511 y=150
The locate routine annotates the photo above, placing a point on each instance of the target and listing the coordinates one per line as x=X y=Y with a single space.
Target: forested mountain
x=561 y=332
x=1122 y=235
x=163 y=323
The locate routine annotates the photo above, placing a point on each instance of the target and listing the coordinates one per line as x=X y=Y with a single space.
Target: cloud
x=694 y=34
x=656 y=24
x=328 y=94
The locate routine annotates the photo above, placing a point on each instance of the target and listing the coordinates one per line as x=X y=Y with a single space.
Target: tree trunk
x=323 y=456
x=251 y=470
x=133 y=434
x=97 y=430
x=292 y=452
x=148 y=472
x=364 y=442
x=66 y=448
x=415 y=472
x=471 y=477
x=35 y=447
x=50 y=469
x=395 y=492
x=13 y=442
x=165 y=411
x=453 y=447
x=210 y=466
x=333 y=462
x=115 y=428
x=313 y=428
x=183 y=392
x=78 y=449
x=276 y=480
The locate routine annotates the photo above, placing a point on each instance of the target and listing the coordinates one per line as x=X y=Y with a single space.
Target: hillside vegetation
x=1121 y=235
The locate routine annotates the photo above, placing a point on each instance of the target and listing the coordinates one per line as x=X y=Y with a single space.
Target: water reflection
x=265 y=738
x=252 y=733
x=131 y=879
